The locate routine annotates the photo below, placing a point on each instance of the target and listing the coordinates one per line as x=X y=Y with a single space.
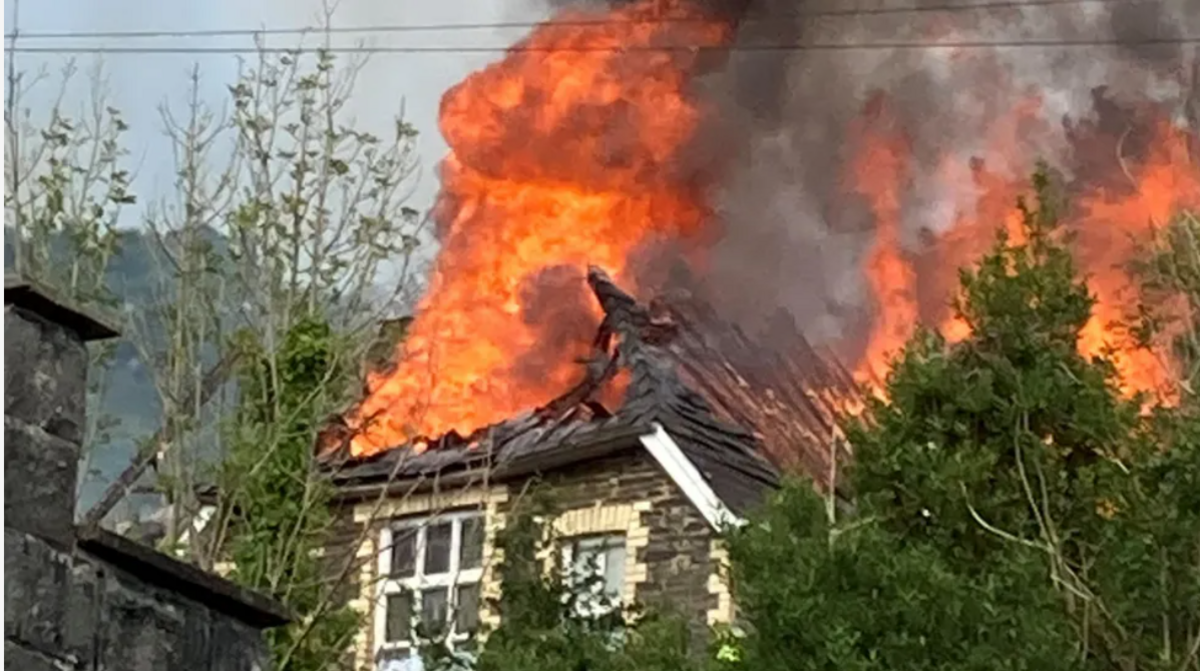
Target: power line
x=866 y=46
x=450 y=27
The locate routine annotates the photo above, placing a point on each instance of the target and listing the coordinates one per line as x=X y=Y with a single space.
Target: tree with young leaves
x=314 y=210
x=286 y=237
x=66 y=184
x=278 y=513
x=282 y=210
x=1011 y=509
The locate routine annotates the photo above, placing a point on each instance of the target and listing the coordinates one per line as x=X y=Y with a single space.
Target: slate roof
x=739 y=412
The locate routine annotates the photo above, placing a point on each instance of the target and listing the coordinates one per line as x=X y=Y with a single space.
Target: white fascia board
x=680 y=469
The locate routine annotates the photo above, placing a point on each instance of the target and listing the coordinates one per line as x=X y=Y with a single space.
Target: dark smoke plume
x=791 y=233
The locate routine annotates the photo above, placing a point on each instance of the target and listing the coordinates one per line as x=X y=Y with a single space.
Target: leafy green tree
x=277 y=512
x=1011 y=509
x=322 y=208
x=263 y=275
x=549 y=619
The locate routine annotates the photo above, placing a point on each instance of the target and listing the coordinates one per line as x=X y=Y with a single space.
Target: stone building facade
x=80 y=599
x=704 y=424
x=658 y=545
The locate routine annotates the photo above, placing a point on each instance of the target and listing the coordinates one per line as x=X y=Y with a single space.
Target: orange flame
x=879 y=173
x=1112 y=225
x=561 y=156
x=565 y=153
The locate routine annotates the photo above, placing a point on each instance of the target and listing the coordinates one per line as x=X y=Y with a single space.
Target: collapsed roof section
x=739 y=413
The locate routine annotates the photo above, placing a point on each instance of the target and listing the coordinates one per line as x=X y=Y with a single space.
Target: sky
x=138 y=84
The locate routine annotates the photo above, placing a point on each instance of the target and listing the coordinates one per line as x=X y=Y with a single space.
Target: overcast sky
x=138 y=83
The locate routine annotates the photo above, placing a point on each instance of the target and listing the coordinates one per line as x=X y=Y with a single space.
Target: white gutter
x=670 y=456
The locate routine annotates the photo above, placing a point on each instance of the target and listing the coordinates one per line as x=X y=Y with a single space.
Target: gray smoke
x=792 y=233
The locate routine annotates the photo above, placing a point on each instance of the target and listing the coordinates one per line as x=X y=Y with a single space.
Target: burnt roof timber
x=721 y=397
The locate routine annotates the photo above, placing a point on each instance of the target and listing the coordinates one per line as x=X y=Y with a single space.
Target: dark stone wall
x=678 y=555
x=65 y=608
x=75 y=611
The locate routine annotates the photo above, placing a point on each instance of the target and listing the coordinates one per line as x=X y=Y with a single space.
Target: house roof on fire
x=720 y=413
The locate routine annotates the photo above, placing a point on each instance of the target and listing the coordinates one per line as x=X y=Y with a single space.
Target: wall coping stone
x=189 y=581
x=39 y=299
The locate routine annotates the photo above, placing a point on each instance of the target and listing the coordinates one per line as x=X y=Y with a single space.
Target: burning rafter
x=688 y=370
x=591 y=142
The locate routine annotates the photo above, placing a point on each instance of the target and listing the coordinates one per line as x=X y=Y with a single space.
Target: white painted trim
x=667 y=452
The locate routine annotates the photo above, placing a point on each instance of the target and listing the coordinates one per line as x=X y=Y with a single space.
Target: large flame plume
x=561 y=155
x=581 y=147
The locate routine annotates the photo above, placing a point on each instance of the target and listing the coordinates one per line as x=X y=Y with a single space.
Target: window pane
x=471 y=554
x=404 y=552
x=398 y=625
x=586 y=559
x=599 y=563
x=437 y=548
x=466 y=614
x=435 y=609
x=393 y=659
x=614 y=569
x=402 y=659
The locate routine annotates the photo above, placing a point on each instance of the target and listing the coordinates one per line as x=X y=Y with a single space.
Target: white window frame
x=596 y=608
x=454 y=577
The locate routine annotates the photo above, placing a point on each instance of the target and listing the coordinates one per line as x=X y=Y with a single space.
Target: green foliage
x=1012 y=511
x=1170 y=276
x=66 y=184
x=279 y=510
x=822 y=596
x=547 y=622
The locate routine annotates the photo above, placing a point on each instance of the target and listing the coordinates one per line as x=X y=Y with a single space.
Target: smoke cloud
x=791 y=235
x=777 y=144
x=792 y=232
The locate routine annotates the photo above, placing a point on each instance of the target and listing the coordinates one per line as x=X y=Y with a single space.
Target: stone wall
x=672 y=564
x=88 y=600
x=672 y=558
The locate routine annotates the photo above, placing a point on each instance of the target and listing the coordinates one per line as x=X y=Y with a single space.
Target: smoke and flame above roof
x=737 y=410
x=672 y=144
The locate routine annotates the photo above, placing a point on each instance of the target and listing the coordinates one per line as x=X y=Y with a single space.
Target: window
x=598 y=563
x=430 y=570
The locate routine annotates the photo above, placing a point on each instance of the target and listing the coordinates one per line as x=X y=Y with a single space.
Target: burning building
x=742 y=160
x=648 y=457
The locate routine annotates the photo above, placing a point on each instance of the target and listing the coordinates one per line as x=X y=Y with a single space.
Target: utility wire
x=450 y=27
x=817 y=46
